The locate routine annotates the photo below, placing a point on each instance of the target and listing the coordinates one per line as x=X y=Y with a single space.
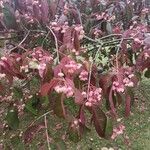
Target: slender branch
x=8 y=38
x=102 y=38
x=46 y=131
x=116 y=41
x=40 y=117
x=108 y=36
x=19 y=45
x=92 y=40
x=56 y=42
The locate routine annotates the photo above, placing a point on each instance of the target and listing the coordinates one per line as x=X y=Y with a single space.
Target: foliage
x=83 y=51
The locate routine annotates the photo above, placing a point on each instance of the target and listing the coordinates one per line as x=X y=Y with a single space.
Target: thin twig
x=110 y=35
x=46 y=131
x=56 y=42
x=92 y=40
x=19 y=45
x=117 y=41
x=102 y=38
x=8 y=38
x=40 y=117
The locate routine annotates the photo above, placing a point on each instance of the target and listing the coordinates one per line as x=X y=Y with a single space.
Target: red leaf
x=127 y=105
x=44 y=10
x=99 y=120
x=141 y=62
x=76 y=41
x=48 y=87
x=67 y=38
x=112 y=103
x=36 y=12
x=59 y=108
x=79 y=99
x=105 y=82
x=81 y=115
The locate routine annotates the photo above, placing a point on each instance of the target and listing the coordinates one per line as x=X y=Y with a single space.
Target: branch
x=8 y=38
x=56 y=42
x=92 y=40
x=19 y=45
x=46 y=131
x=40 y=117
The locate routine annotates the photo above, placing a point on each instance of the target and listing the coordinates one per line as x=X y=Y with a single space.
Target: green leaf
x=12 y=119
x=147 y=73
x=31 y=105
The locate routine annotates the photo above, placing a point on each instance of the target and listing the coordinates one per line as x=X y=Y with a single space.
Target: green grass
x=137 y=130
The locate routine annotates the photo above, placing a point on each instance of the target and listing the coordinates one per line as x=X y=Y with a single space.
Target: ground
x=135 y=137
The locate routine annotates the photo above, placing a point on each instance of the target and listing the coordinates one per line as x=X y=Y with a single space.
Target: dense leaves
x=92 y=52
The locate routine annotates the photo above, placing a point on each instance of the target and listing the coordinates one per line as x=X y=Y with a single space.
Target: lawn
x=135 y=137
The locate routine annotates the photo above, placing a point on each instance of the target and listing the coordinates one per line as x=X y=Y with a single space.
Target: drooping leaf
x=79 y=99
x=81 y=115
x=48 y=87
x=76 y=41
x=67 y=38
x=36 y=12
x=129 y=99
x=118 y=98
x=111 y=102
x=59 y=108
x=99 y=120
x=44 y=10
x=130 y=91
x=105 y=82
x=12 y=119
